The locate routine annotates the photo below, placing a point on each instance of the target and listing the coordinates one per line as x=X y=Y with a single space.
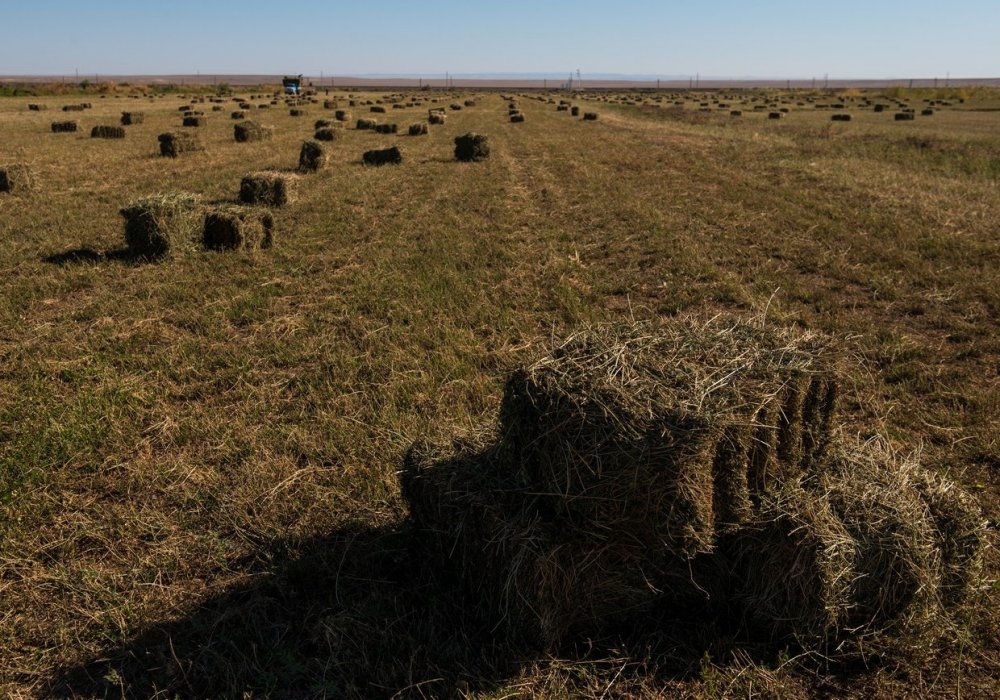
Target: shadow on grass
x=79 y=256
x=349 y=615
x=355 y=615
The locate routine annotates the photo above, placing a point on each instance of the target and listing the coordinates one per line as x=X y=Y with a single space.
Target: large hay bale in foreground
x=130 y=118
x=175 y=143
x=237 y=228
x=107 y=132
x=16 y=177
x=312 y=157
x=472 y=147
x=64 y=127
x=793 y=566
x=270 y=189
x=384 y=156
x=247 y=131
x=515 y=570
x=662 y=406
x=162 y=225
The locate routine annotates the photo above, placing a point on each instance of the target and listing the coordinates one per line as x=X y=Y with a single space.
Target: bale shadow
x=359 y=613
x=348 y=615
x=86 y=254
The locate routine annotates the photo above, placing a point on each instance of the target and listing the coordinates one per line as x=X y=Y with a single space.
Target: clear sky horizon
x=726 y=38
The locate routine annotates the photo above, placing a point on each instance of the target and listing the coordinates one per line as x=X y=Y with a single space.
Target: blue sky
x=778 y=38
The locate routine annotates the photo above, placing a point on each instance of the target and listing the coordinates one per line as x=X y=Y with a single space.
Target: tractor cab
x=292 y=84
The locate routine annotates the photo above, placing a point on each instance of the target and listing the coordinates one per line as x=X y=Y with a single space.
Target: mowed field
x=199 y=455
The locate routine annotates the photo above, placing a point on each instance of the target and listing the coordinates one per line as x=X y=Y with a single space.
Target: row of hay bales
x=696 y=466
x=171 y=224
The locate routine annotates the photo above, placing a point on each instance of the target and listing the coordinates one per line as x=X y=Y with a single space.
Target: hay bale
x=130 y=118
x=366 y=124
x=456 y=107
x=903 y=116
x=516 y=118
x=162 y=225
x=616 y=407
x=64 y=127
x=342 y=116
x=238 y=115
x=296 y=112
x=324 y=124
x=312 y=157
x=472 y=147
x=776 y=115
x=107 y=132
x=377 y=109
x=175 y=143
x=37 y=107
x=793 y=567
x=470 y=103
x=575 y=111
x=385 y=156
x=562 y=108
x=516 y=571
x=927 y=113
x=841 y=117
x=419 y=129
x=16 y=177
x=736 y=113
x=590 y=116
x=326 y=133
x=386 y=128
x=237 y=228
x=73 y=108
x=270 y=189
x=248 y=130
x=960 y=531
x=194 y=121
x=437 y=118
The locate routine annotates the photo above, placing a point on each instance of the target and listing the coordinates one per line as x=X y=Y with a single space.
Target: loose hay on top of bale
x=237 y=228
x=271 y=189
x=472 y=147
x=64 y=127
x=312 y=157
x=247 y=131
x=107 y=132
x=129 y=118
x=385 y=156
x=173 y=144
x=16 y=177
x=162 y=225
x=617 y=406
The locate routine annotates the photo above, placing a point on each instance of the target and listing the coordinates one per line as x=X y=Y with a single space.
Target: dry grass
x=197 y=464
